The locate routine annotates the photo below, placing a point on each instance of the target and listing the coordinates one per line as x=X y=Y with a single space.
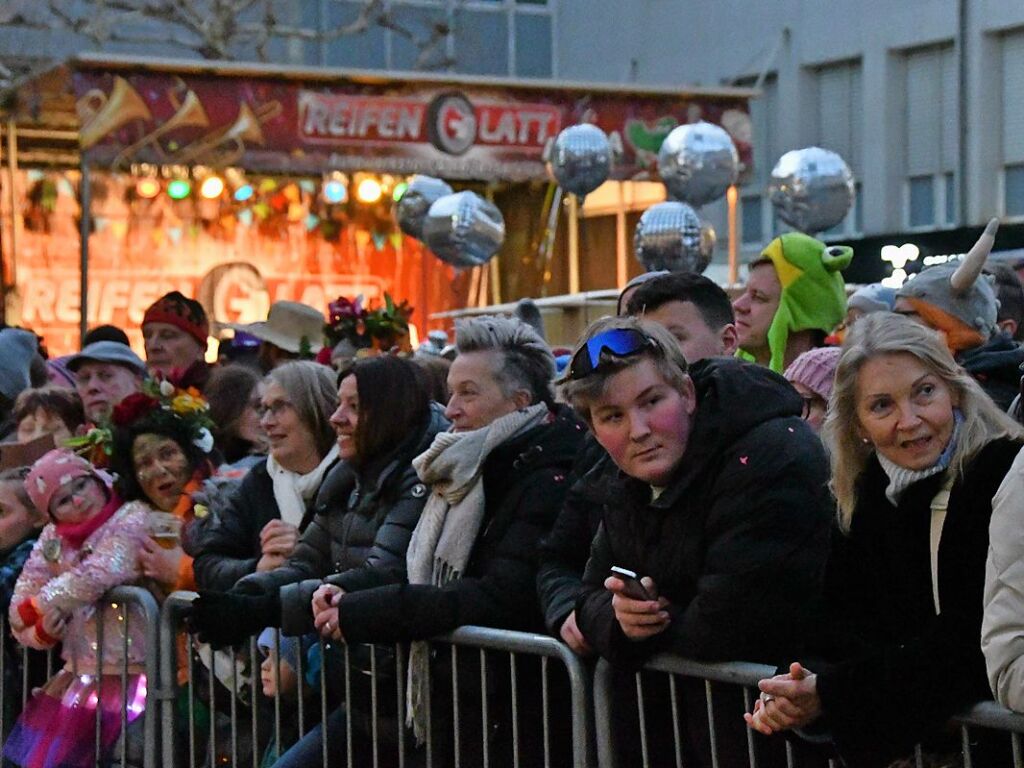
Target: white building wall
x=793 y=42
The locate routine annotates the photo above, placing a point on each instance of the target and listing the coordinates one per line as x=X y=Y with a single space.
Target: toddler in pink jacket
x=90 y=545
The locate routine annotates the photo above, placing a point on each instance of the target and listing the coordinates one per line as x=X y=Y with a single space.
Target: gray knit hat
x=17 y=348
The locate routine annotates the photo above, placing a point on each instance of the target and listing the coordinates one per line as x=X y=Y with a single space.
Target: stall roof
x=46 y=108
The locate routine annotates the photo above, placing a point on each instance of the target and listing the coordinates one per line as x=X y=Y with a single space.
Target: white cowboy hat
x=288 y=325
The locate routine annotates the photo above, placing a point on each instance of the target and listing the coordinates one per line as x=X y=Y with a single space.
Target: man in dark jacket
x=718 y=501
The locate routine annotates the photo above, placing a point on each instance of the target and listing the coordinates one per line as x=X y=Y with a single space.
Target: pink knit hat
x=816 y=370
x=54 y=470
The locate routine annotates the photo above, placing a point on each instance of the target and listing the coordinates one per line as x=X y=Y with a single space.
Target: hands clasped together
x=787 y=701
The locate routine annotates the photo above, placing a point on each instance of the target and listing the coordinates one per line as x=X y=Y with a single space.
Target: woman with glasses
x=812 y=375
x=719 y=507
x=918 y=451
x=258 y=528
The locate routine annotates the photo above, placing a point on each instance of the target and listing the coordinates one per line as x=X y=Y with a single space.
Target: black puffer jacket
x=524 y=485
x=996 y=366
x=737 y=542
x=359 y=534
x=898 y=670
x=226 y=546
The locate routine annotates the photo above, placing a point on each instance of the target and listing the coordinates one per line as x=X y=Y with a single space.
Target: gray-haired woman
x=259 y=526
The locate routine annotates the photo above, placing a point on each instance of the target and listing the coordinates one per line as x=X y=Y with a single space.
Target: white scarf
x=441 y=544
x=293 y=491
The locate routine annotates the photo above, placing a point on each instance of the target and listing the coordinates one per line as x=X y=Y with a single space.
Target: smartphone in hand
x=634 y=588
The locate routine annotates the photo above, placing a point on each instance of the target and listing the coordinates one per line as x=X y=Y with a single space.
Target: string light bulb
x=369 y=191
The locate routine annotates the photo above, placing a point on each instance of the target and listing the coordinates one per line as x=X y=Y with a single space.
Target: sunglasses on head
x=618 y=342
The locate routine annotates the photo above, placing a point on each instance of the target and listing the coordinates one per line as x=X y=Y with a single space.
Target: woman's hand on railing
x=639 y=619
x=572 y=636
x=786 y=702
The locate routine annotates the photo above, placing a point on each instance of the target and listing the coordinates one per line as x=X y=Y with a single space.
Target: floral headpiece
x=378 y=329
x=159 y=403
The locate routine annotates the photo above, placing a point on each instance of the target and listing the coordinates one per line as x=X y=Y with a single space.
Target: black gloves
x=228 y=618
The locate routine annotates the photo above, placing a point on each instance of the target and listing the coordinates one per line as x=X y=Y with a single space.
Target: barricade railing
x=592 y=695
x=381 y=672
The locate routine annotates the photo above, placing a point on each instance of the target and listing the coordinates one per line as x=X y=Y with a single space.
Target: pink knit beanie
x=816 y=370
x=55 y=470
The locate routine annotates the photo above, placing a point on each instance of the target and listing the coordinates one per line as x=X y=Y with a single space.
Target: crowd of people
x=831 y=486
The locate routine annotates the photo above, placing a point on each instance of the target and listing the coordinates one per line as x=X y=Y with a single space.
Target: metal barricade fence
x=745 y=676
x=37 y=667
x=372 y=720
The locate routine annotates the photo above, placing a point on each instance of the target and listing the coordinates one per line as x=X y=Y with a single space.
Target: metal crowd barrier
x=36 y=667
x=476 y=645
x=596 y=709
x=985 y=715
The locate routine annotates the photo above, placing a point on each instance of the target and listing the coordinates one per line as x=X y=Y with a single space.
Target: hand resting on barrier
x=227 y=618
x=787 y=701
x=572 y=636
x=326 y=616
x=639 y=619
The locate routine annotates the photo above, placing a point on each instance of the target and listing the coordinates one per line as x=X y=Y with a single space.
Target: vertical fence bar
x=1015 y=747
x=373 y=703
x=191 y=704
x=98 y=680
x=645 y=757
x=485 y=717
x=256 y=693
x=400 y=677
x=276 y=667
x=348 y=706
x=124 y=683
x=301 y=675
x=748 y=706
x=515 y=709
x=708 y=694
x=24 y=674
x=234 y=709
x=5 y=695
x=456 y=725
x=789 y=754
x=965 y=740
x=676 y=740
x=545 y=710
x=213 y=707
x=323 y=702
x=430 y=714
x=918 y=756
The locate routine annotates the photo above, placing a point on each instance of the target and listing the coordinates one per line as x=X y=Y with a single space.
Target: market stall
x=241 y=185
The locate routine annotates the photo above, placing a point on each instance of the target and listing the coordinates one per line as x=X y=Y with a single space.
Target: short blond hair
x=665 y=354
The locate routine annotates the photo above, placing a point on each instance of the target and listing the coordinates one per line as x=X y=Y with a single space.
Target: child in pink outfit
x=90 y=546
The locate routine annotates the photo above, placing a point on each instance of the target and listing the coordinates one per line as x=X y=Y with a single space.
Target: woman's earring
x=865 y=440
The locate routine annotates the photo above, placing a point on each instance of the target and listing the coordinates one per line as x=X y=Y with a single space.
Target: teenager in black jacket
x=719 y=502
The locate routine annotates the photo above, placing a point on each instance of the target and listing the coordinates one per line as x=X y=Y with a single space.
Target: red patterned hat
x=182 y=312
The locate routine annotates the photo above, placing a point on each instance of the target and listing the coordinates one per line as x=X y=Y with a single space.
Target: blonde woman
x=918 y=450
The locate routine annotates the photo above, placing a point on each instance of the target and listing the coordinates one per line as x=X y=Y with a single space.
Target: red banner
x=449 y=130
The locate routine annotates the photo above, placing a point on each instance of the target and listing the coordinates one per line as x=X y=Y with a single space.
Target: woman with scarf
x=496 y=482
x=259 y=526
x=918 y=451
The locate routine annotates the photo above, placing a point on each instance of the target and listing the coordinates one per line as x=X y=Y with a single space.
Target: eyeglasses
x=812 y=403
x=620 y=342
x=275 y=408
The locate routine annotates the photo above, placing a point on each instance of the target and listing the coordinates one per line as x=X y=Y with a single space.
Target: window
x=752 y=215
x=837 y=124
x=487 y=37
x=931 y=137
x=922 y=201
x=1013 y=190
x=1013 y=124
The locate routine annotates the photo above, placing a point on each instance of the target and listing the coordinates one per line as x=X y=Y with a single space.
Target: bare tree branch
x=214 y=29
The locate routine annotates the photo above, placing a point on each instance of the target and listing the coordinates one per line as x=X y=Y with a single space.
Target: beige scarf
x=441 y=544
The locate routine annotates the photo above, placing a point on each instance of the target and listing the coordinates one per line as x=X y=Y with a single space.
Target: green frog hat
x=813 y=292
